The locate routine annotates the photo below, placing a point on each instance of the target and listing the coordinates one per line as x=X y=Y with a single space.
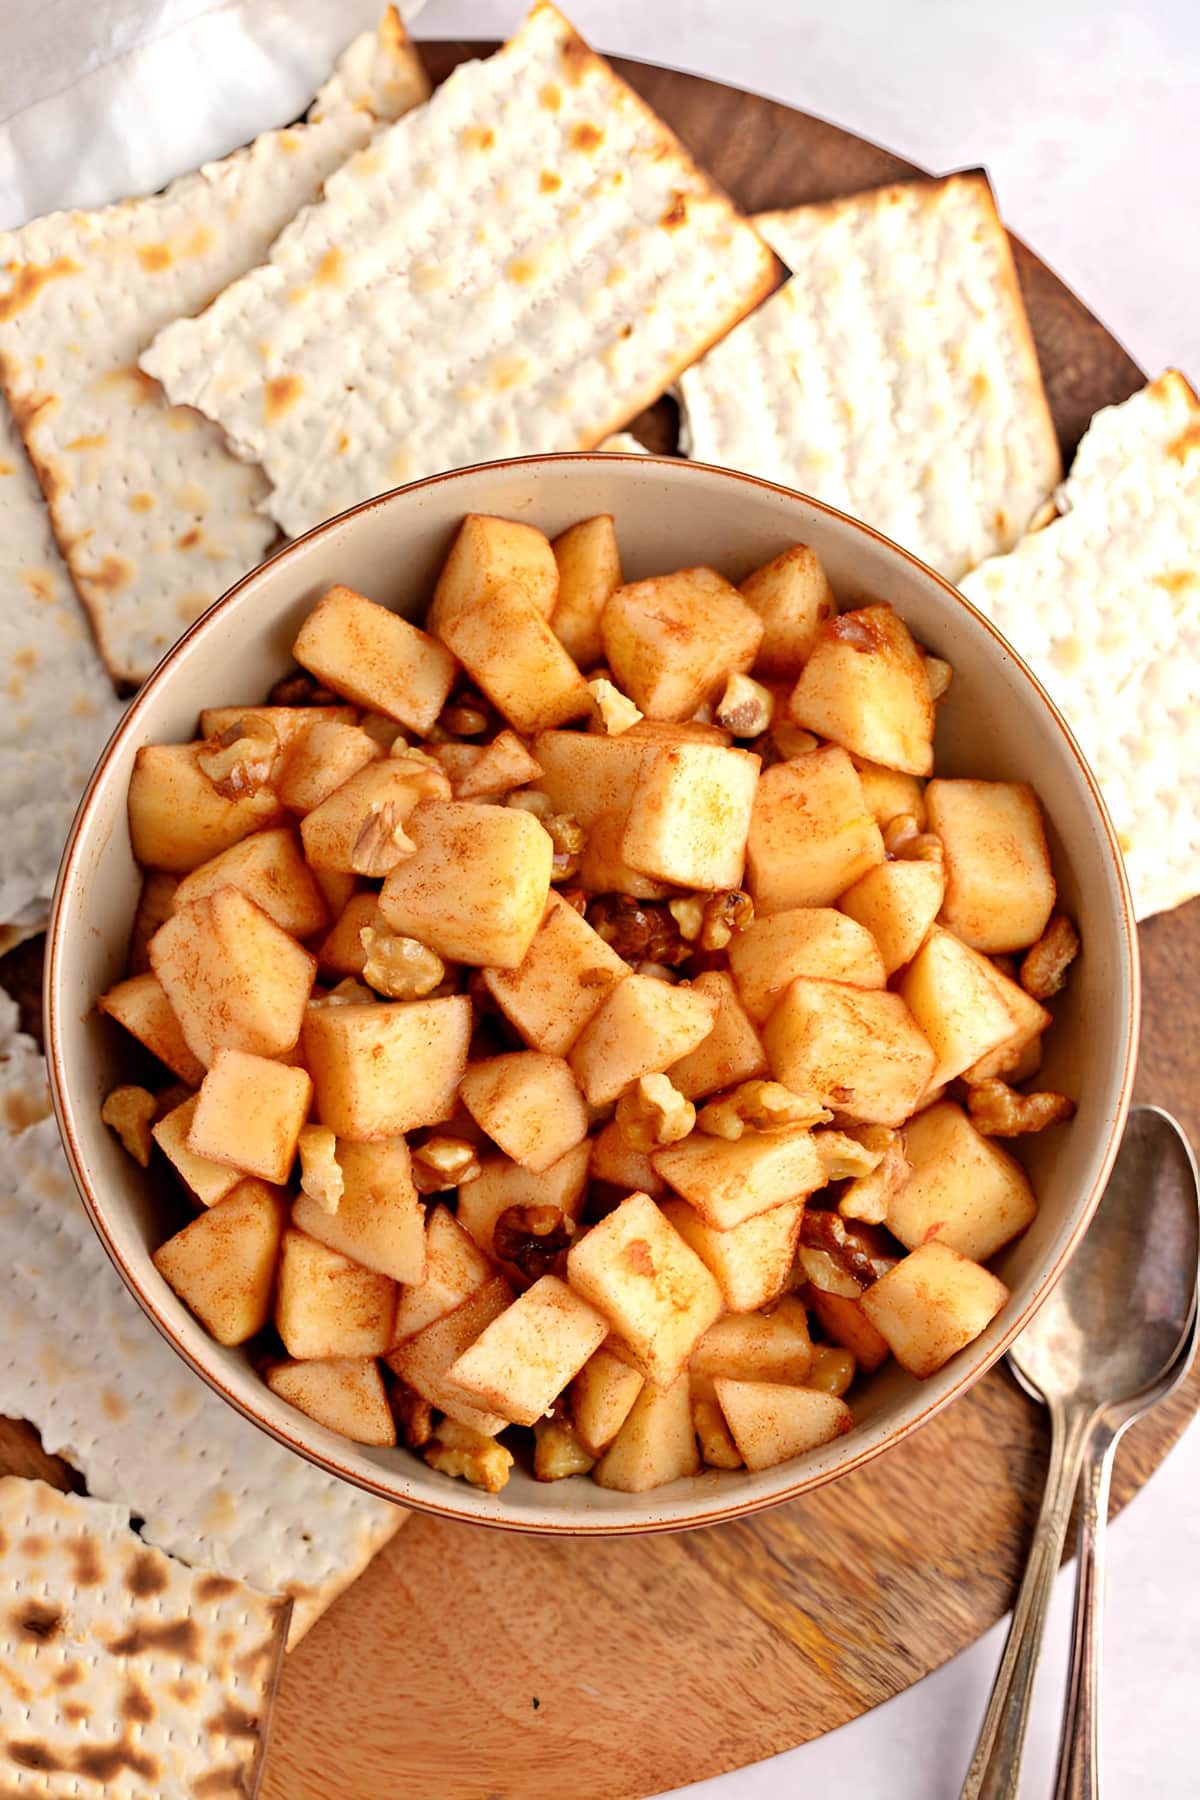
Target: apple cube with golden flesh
x=613 y=1159
x=561 y=983
x=140 y=1004
x=844 y=1322
x=652 y=1287
x=811 y=835
x=490 y=556
x=792 y=596
x=524 y=1359
x=249 y=1112
x=896 y=902
x=589 y=573
x=751 y=1261
x=510 y=651
x=642 y=1027
x=383 y=1068
x=1023 y=1049
x=768 y=1346
x=690 y=815
x=501 y=766
x=731 y=1052
x=325 y=1305
x=424 y=1361
x=502 y=1184
x=344 y=1393
x=731 y=1180
x=815 y=941
x=964 y=1190
x=379 y=1222
x=771 y=1422
x=865 y=686
x=889 y=793
x=222 y=1265
x=454 y=1268
x=207 y=1181
x=268 y=868
x=341 y=952
x=673 y=641
x=233 y=977
x=959 y=1001
x=999 y=884
x=602 y=1396
x=858 y=1050
x=592 y=779
x=320 y=760
x=527 y=1103
x=932 y=1304
x=178 y=820
x=476 y=885
x=375 y=658
x=656 y=1444
x=361 y=828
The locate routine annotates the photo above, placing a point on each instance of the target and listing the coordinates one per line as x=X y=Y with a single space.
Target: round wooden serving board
x=469 y=1664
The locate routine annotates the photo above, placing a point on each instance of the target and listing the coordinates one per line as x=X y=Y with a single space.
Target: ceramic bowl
x=996 y=722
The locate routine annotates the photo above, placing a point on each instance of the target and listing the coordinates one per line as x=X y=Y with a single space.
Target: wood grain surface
x=470 y=1663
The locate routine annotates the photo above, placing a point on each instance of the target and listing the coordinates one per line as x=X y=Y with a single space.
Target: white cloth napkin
x=100 y=99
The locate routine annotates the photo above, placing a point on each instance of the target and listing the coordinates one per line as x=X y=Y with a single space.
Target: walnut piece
x=999 y=1111
x=444 y=1162
x=320 y=1172
x=653 y=1114
x=868 y=1196
x=845 y=1155
x=1045 y=964
x=710 y=920
x=404 y=752
x=823 y=1271
x=557 y=1452
x=130 y=1111
x=613 y=711
x=565 y=832
x=403 y=968
x=414 y=1415
x=759 y=1106
x=904 y=840
x=862 y=1251
x=534 y=1238
x=382 y=841
x=457 y=1450
x=745 y=708
x=301 y=690
x=832 y=1369
x=639 y=931
x=240 y=760
x=347 y=993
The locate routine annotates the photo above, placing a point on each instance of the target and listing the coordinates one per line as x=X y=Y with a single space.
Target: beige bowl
x=996 y=722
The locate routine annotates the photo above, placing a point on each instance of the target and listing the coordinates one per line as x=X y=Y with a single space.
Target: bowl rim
x=722 y=1507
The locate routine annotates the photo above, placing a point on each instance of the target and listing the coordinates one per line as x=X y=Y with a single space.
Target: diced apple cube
x=375 y=658
x=338 y=834
x=454 y=1268
x=511 y=653
x=489 y=556
x=999 y=884
x=690 y=815
x=865 y=685
x=527 y=1103
x=771 y=1346
x=751 y=1261
x=341 y=952
x=561 y=983
x=604 y=870
x=792 y=596
x=424 y=1361
x=383 y=1068
x=557 y=1451
x=657 y=1294
x=589 y=573
x=344 y=1393
x=731 y=1180
x=317 y=764
x=207 y=1181
x=811 y=835
x=896 y=902
x=587 y=775
x=476 y=886
x=501 y=766
x=964 y=1190
x=772 y=1423
x=289 y=723
x=268 y=868
x=858 y=1050
x=642 y=1027
x=248 y=1114
x=234 y=979
x=379 y=1222
x=615 y=1160
x=325 y=1305
x=502 y=1184
x=1022 y=1050
x=672 y=642
x=222 y=1265
x=957 y=999
x=932 y=1304
x=805 y=940
x=731 y=1052
x=656 y=1444
x=177 y=819
x=889 y=793
x=524 y=1359
x=843 y=1319
x=141 y=1006
x=602 y=1396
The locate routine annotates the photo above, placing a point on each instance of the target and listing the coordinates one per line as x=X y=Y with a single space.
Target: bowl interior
x=995 y=723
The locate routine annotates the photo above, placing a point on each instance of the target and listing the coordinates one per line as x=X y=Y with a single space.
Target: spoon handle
x=995 y=1770
x=1079 y=1752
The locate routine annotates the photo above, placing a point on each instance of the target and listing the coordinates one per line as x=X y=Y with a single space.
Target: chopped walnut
x=382 y=841
x=638 y=930
x=904 y=840
x=320 y=1172
x=832 y=1369
x=534 y=1238
x=940 y=676
x=557 y=1452
x=653 y=1114
x=239 y=761
x=401 y=967
x=843 y=1155
x=999 y=1111
x=457 y=1450
x=414 y=1415
x=861 y=1250
x=130 y=1112
x=745 y=708
x=347 y=993
x=717 y=1447
x=823 y=1271
x=758 y=1106
x=403 y=752
x=1044 y=967
x=688 y=914
x=465 y=714
x=868 y=1197
x=711 y=920
x=613 y=711
x=301 y=690
x=565 y=832
x=444 y=1162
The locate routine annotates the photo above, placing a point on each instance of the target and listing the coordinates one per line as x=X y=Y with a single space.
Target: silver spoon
x=1106 y=1345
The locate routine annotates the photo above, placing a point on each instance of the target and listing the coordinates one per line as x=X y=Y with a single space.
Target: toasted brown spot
x=51 y=476
x=478 y=137
x=102 y=1762
x=200 y=242
x=180 y=1637
x=220 y=1784
x=1177 y=581
x=215 y=1587
x=289 y=141
x=523 y=270
x=20 y=1111
x=154 y=258
x=330 y=269
x=184 y=1691
x=7 y=468
x=33 y=1544
x=114 y=573
x=189 y=606
x=76 y=1711
x=281 y=394
x=981 y=387
x=140 y=387
x=27 y=1753
x=187 y=540
x=586 y=136
x=232 y=1721
x=551 y=96
x=88 y=1570
x=142 y=502
x=676 y=213
x=549 y=182
x=146 y=1575
x=1186 y=442
x=575 y=58
x=28 y=281
x=136 y=1704
x=638 y=1258
x=96 y=441
x=38 y=1621
x=113 y=1406
x=69 y=1676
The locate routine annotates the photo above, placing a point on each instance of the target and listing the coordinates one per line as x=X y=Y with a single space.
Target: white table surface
x=1084 y=113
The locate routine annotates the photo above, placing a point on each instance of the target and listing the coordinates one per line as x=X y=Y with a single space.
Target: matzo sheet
x=894 y=376
x=520 y=265
x=1104 y=603
x=153 y=515
x=121 y=1670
